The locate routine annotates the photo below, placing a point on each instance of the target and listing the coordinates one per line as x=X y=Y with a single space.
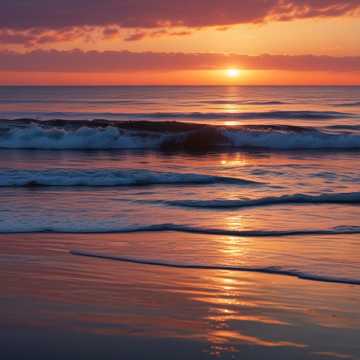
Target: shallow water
x=117 y=192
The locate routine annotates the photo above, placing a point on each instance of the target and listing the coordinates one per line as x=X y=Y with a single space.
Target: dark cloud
x=51 y=14
x=110 y=32
x=33 y=37
x=14 y=37
x=120 y=61
x=141 y=34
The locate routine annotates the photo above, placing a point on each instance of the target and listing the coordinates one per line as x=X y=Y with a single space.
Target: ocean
x=229 y=180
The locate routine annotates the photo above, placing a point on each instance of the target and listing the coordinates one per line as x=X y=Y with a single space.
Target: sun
x=232 y=73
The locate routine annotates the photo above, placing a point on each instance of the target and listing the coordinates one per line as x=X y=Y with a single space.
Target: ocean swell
x=113 y=229
x=241 y=115
x=350 y=198
x=109 y=177
x=349 y=104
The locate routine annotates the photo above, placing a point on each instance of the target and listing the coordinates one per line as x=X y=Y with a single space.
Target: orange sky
x=317 y=42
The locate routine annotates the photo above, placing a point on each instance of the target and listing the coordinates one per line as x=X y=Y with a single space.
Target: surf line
x=266 y=270
x=196 y=230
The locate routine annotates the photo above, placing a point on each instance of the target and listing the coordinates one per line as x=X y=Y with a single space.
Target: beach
x=57 y=305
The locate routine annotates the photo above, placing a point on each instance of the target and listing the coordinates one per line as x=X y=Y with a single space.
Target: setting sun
x=232 y=73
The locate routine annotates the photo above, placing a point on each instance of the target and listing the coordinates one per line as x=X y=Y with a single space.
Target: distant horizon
x=179 y=85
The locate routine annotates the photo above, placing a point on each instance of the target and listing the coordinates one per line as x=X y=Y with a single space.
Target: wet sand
x=54 y=305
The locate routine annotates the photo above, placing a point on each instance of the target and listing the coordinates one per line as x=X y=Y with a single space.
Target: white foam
x=37 y=137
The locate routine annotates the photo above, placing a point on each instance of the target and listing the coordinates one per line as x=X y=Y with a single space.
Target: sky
x=180 y=42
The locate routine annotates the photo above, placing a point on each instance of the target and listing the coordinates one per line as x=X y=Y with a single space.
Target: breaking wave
x=275 y=270
x=337 y=198
x=104 y=134
x=108 y=177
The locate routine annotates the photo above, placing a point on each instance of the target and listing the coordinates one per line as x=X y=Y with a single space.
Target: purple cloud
x=50 y=14
x=33 y=37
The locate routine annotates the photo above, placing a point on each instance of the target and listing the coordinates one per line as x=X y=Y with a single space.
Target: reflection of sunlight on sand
x=228 y=309
x=223 y=311
x=229 y=335
x=238 y=303
x=333 y=355
x=233 y=316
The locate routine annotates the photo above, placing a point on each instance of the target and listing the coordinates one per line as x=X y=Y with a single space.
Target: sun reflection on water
x=233 y=160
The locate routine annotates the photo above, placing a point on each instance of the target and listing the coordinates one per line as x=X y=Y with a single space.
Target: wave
x=344 y=127
x=35 y=136
x=132 y=101
x=103 y=134
x=245 y=102
x=275 y=270
x=91 y=229
x=239 y=115
x=75 y=101
x=349 y=104
x=337 y=198
x=243 y=115
x=108 y=177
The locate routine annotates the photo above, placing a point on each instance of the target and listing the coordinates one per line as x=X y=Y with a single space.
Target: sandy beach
x=56 y=305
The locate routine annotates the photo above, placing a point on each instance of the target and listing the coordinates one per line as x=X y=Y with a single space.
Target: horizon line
x=180 y=85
